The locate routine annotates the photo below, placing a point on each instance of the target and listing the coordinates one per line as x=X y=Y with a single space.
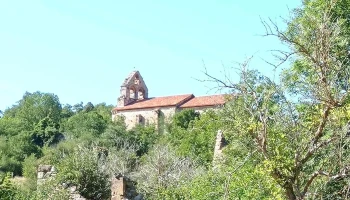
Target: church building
x=137 y=108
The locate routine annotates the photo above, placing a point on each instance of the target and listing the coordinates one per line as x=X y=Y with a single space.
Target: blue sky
x=82 y=50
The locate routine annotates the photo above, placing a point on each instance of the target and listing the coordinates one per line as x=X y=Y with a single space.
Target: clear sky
x=82 y=50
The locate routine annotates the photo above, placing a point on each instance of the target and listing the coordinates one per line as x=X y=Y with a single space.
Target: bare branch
x=314 y=146
x=343 y=173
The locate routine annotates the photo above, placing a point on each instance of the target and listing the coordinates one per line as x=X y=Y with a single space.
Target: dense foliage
x=87 y=148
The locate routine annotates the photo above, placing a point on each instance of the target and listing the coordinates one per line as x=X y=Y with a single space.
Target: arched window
x=132 y=93
x=141 y=94
x=137 y=80
x=140 y=120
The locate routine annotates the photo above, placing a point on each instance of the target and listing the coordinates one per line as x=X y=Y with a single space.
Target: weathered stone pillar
x=118 y=188
x=219 y=145
x=45 y=172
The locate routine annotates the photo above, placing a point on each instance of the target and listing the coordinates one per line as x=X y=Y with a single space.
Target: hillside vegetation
x=88 y=148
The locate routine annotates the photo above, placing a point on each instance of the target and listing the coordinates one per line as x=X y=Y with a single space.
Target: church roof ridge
x=155 y=102
x=130 y=76
x=204 y=101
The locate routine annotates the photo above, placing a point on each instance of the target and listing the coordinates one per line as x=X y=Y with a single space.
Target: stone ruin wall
x=118 y=188
x=121 y=187
x=220 y=143
x=47 y=172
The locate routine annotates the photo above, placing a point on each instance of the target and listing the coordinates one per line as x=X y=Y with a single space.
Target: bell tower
x=133 y=89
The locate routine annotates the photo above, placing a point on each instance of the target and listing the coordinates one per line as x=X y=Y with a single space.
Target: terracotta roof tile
x=156 y=102
x=204 y=101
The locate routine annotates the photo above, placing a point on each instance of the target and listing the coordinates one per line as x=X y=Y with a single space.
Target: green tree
x=184 y=118
x=116 y=135
x=197 y=140
x=67 y=111
x=46 y=132
x=297 y=129
x=104 y=110
x=89 y=124
x=11 y=126
x=144 y=137
x=34 y=107
x=88 y=107
x=13 y=150
x=78 y=107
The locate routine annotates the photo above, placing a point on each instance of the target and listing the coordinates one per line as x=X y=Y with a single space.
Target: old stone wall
x=47 y=172
x=220 y=143
x=145 y=116
x=118 y=188
x=122 y=188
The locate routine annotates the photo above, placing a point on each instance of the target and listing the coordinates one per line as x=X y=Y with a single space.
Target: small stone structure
x=118 y=188
x=122 y=188
x=220 y=143
x=47 y=172
x=74 y=194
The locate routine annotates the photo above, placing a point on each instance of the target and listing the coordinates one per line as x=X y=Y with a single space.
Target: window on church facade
x=141 y=93
x=140 y=120
x=132 y=93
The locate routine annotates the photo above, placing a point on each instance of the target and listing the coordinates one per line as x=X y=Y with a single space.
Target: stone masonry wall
x=46 y=172
x=121 y=187
x=118 y=188
x=149 y=115
x=220 y=143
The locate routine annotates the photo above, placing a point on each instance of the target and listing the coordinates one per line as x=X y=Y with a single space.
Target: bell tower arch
x=133 y=89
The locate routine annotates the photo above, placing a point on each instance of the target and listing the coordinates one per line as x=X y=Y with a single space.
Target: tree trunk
x=290 y=192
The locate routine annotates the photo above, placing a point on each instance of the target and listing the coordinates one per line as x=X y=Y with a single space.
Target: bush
x=85 y=168
x=7 y=189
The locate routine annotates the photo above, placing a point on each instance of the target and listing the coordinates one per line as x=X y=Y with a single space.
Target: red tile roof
x=204 y=101
x=157 y=102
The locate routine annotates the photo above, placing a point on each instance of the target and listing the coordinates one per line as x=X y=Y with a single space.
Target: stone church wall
x=146 y=116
